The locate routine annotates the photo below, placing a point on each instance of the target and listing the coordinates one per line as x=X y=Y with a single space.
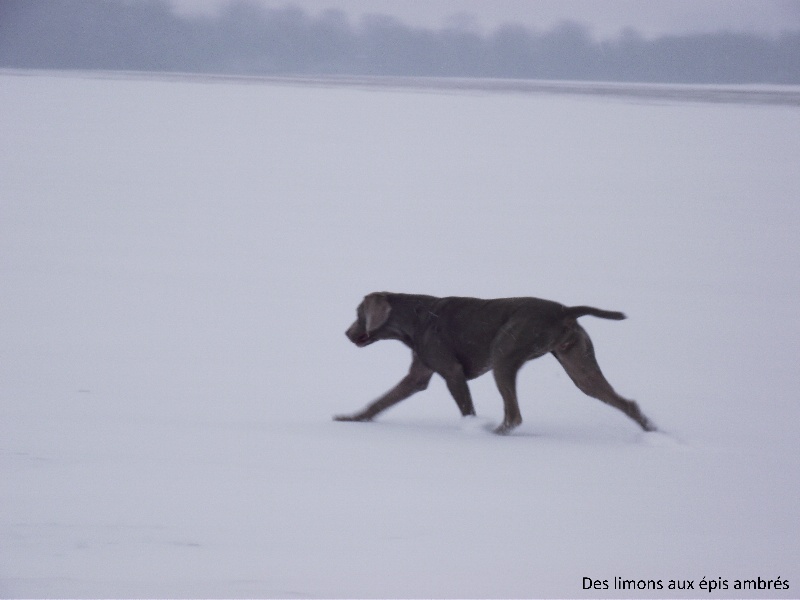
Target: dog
x=463 y=338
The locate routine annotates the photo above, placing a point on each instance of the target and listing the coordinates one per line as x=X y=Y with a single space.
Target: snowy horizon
x=268 y=38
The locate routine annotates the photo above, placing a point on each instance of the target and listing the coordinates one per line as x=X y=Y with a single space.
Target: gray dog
x=463 y=338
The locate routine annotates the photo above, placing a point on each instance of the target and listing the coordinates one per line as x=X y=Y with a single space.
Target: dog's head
x=371 y=315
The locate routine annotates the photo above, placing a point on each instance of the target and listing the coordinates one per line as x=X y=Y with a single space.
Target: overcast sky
x=606 y=18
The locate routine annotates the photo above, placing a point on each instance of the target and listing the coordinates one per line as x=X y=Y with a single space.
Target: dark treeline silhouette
x=247 y=38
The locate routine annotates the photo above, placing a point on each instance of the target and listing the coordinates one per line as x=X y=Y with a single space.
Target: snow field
x=180 y=261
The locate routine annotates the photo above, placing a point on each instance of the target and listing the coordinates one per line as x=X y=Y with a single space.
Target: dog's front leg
x=417 y=380
x=459 y=389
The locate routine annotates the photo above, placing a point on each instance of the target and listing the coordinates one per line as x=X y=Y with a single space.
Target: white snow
x=180 y=259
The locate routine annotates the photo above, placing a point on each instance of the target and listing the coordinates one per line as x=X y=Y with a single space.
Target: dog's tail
x=580 y=311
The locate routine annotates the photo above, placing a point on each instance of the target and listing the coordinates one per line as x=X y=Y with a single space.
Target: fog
x=249 y=39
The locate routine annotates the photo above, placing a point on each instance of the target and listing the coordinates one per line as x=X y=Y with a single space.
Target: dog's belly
x=475 y=368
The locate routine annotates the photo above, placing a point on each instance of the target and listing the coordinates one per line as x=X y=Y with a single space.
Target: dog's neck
x=411 y=315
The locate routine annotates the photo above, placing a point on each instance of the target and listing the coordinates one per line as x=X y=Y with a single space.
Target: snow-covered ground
x=180 y=259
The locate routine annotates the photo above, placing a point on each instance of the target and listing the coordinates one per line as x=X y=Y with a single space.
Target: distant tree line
x=247 y=38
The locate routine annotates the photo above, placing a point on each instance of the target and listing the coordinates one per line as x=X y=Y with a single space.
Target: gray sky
x=606 y=18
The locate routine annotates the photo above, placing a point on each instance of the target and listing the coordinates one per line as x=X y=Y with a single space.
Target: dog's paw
x=351 y=418
x=505 y=428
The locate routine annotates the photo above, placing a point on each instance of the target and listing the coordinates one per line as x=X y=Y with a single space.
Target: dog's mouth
x=364 y=339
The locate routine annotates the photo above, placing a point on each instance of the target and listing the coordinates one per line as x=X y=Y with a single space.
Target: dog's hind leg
x=505 y=376
x=576 y=355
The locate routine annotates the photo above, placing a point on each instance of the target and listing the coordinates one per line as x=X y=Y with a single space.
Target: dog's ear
x=376 y=311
